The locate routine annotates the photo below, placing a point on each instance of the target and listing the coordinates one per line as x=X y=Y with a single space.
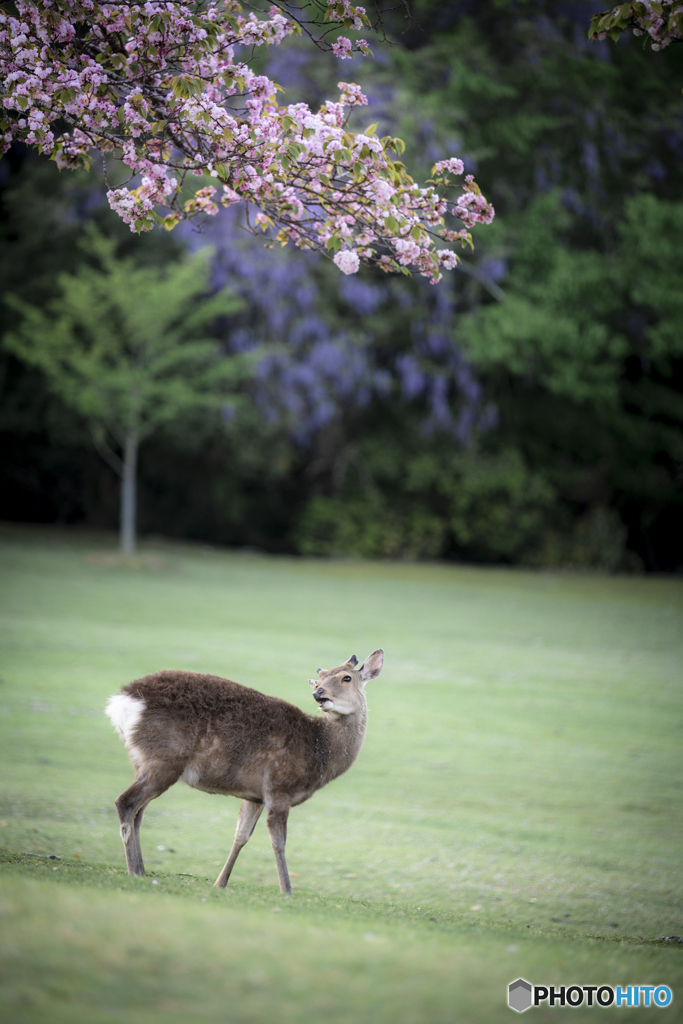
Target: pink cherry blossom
x=351 y=95
x=447 y=258
x=342 y=48
x=347 y=260
x=454 y=165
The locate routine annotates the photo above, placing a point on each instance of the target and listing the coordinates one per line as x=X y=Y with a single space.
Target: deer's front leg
x=246 y=823
x=277 y=827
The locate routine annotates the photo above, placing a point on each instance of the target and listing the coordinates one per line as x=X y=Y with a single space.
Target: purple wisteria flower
x=316 y=365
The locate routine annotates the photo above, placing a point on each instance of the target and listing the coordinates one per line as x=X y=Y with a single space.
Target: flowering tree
x=660 y=20
x=167 y=88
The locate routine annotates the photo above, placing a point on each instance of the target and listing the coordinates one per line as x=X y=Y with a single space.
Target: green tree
x=129 y=349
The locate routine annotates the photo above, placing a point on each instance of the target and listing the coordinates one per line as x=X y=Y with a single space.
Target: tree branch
x=484 y=280
x=108 y=454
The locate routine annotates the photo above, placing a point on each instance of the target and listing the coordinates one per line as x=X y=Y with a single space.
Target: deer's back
x=193 y=697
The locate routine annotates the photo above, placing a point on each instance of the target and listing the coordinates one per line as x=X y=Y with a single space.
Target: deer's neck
x=344 y=735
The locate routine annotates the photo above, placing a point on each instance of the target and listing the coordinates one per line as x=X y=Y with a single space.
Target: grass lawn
x=516 y=809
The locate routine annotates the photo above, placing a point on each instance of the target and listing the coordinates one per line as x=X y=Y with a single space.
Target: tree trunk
x=128 y=525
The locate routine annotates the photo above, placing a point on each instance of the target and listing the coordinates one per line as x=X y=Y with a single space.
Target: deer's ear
x=372 y=667
x=353 y=661
x=313 y=683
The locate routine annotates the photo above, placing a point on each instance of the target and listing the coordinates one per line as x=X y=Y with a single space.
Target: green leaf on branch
x=184 y=87
x=389 y=142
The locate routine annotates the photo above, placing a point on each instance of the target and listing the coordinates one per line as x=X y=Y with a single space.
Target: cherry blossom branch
x=659 y=20
x=159 y=85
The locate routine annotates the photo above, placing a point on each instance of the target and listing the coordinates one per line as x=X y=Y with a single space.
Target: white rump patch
x=125 y=712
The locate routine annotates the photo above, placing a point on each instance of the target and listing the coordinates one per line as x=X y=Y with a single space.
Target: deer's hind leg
x=246 y=823
x=131 y=808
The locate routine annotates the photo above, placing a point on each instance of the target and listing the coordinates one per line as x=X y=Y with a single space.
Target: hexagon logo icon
x=519 y=995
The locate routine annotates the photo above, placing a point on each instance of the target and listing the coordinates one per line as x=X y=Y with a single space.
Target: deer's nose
x=318 y=694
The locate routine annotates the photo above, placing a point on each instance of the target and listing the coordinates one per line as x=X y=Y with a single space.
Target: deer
x=221 y=737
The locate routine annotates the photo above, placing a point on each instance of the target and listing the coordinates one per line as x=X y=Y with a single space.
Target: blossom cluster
x=161 y=86
x=661 y=20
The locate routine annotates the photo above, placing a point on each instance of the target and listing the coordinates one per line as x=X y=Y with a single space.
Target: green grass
x=516 y=809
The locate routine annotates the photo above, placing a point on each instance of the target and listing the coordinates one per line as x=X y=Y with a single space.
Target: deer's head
x=339 y=691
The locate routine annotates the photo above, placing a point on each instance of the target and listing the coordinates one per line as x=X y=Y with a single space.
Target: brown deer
x=221 y=737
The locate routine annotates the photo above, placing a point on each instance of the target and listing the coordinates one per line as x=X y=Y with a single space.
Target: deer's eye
x=346 y=679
